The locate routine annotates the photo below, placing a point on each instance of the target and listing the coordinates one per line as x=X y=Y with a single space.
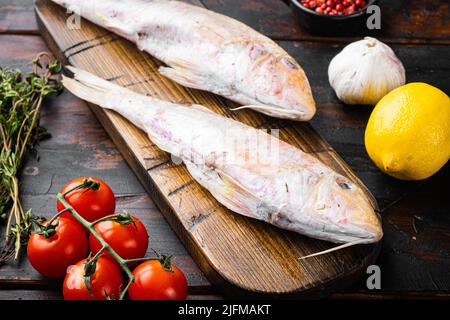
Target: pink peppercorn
x=334 y=7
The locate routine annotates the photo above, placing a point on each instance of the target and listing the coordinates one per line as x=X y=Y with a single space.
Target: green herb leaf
x=21 y=99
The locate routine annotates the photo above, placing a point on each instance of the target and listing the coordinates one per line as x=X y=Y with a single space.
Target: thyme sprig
x=21 y=100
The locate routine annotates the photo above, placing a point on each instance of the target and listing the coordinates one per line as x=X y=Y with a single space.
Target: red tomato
x=90 y=204
x=107 y=277
x=51 y=256
x=130 y=241
x=153 y=282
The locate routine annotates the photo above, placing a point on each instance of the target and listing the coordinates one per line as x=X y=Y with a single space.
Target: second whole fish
x=208 y=51
x=247 y=170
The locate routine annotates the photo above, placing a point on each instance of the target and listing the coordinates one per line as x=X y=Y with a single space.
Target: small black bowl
x=323 y=24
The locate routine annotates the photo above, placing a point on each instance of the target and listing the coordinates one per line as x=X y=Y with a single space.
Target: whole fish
x=248 y=170
x=208 y=51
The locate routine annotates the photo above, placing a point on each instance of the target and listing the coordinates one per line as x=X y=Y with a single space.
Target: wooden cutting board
x=238 y=254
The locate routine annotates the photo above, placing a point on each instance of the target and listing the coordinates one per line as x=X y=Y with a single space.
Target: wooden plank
x=30 y=295
x=377 y=295
x=235 y=252
x=417 y=247
x=49 y=294
x=22 y=294
x=17 y=16
x=12 y=51
x=403 y=21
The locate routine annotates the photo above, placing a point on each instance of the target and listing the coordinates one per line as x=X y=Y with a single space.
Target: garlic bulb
x=365 y=71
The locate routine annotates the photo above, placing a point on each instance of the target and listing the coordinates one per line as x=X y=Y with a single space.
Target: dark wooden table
x=415 y=257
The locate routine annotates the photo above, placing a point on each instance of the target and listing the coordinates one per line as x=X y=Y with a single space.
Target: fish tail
x=110 y=96
x=89 y=87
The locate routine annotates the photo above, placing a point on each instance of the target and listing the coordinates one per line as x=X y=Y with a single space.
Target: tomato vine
x=124 y=218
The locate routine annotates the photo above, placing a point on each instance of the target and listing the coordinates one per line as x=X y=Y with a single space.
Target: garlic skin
x=365 y=71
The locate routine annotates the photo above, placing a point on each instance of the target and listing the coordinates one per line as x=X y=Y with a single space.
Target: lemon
x=408 y=133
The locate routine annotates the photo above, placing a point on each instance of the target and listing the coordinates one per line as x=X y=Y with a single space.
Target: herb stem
x=21 y=99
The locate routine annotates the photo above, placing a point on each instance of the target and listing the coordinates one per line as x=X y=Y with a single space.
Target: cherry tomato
x=106 y=278
x=51 y=256
x=130 y=240
x=153 y=282
x=90 y=204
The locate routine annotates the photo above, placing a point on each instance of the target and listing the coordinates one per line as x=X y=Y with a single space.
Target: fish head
x=279 y=87
x=346 y=211
x=335 y=210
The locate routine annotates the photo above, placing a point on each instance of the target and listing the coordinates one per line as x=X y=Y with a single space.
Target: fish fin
x=179 y=63
x=225 y=189
x=235 y=184
x=256 y=107
x=342 y=246
x=121 y=29
x=183 y=76
x=278 y=112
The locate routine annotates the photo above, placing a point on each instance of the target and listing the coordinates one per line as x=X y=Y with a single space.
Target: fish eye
x=343 y=184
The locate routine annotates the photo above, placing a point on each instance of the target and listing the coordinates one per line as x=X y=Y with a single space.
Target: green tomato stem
x=140 y=259
x=124 y=291
x=105 y=219
x=98 y=254
x=56 y=216
x=105 y=246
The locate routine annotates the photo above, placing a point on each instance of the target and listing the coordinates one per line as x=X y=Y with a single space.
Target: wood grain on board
x=235 y=252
